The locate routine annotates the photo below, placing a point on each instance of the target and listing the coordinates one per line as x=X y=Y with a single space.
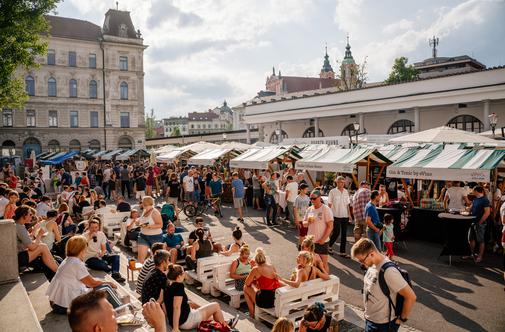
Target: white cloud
x=403 y=24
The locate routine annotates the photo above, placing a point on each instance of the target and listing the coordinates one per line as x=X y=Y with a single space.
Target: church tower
x=327 y=71
x=348 y=69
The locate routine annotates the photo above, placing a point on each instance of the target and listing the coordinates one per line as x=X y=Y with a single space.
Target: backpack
x=211 y=326
x=385 y=288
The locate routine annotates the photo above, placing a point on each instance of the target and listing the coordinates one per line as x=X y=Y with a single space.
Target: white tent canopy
x=111 y=154
x=445 y=135
x=259 y=158
x=129 y=153
x=164 y=149
x=209 y=157
x=235 y=145
x=200 y=146
x=175 y=155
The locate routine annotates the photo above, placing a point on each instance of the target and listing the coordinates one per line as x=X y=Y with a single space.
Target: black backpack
x=385 y=288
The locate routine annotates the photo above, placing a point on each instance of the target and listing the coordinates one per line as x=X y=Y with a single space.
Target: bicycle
x=191 y=210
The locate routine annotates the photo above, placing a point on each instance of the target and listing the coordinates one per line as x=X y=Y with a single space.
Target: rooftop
x=66 y=27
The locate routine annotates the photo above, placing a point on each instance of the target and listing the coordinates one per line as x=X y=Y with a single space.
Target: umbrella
x=444 y=135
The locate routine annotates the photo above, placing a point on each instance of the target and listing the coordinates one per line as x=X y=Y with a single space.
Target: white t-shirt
x=188 y=183
x=292 y=187
x=339 y=201
x=94 y=248
x=376 y=303
x=42 y=209
x=66 y=284
x=3 y=203
x=322 y=217
x=106 y=174
x=455 y=195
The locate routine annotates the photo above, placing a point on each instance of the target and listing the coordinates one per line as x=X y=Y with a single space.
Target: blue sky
x=204 y=51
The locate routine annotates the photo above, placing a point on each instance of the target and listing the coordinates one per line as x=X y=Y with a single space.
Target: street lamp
x=278 y=133
x=356 y=131
x=224 y=136
x=493 y=120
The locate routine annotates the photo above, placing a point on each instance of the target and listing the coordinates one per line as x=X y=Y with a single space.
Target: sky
x=202 y=52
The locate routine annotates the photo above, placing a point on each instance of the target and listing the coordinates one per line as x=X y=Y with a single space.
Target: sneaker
x=232 y=322
x=330 y=251
x=118 y=277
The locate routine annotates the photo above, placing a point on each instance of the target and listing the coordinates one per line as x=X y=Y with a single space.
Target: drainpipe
x=104 y=103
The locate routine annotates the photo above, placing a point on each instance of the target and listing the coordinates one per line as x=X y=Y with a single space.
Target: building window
x=72 y=85
x=72 y=59
x=125 y=119
x=53 y=119
x=349 y=130
x=51 y=57
x=123 y=63
x=310 y=132
x=192 y=126
x=74 y=145
x=92 y=61
x=401 y=126
x=7 y=117
x=51 y=87
x=125 y=143
x=467 y=123
x=92 y=89
x=30 y=118
x=93 y=119
x=124 y=90
x=94 y=145
x=30 y=86
x=54 y=146
x=198 y=126
x=74 y=119
x=274 y=139
x=8 y=148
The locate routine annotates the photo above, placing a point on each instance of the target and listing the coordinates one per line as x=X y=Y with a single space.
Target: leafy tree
x=401 y=72
x=22 y=31
x=150 y=125
x=176 y=132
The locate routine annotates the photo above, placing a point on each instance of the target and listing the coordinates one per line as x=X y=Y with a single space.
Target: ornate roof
x=348 y=59
x=326 y=63
x=72 y=28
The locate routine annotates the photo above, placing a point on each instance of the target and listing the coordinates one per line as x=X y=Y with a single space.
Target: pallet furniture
x=221 y=282
x=111 y=222
x=203 y=273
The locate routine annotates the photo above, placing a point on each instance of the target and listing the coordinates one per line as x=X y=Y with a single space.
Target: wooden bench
x=222 y=282
x=111 y=222
x=291 y=302
x=204 y=272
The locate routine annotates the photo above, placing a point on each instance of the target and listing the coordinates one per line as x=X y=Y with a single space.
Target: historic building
x=88 y=92
x=175 y=126
x=214 y=120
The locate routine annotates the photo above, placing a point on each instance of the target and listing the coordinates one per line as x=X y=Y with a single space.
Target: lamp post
x=356 y=131
x=493 y=120
x=224 y=137
x=278 y=133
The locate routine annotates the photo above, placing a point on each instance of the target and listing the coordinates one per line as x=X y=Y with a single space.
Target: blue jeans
x=271 y=205
x=374 y=236
x=108 y=263
x=386 y=327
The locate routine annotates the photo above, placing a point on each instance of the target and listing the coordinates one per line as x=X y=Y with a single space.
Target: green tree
x=176 y=132
x=150 y=124
x=401 y=72
x=23 y=32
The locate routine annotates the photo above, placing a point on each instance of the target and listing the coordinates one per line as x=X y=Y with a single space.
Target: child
x=388 y=235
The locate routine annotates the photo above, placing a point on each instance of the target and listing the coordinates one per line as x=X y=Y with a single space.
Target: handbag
x=239 y=284
x=211 y=326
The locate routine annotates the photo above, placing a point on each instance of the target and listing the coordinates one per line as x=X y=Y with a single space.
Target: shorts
x=265 y=298
x=140 y=194
x=149 y=240
x=193 y=320
x=189 y=196
x=23 y=259
x=172 y=200
x=321 y=249
x=256 y=193
x=360 y=227
x=477 y=232
x=302 y=230
x=238 y=202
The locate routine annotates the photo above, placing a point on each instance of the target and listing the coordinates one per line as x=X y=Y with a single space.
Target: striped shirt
x=146 y=268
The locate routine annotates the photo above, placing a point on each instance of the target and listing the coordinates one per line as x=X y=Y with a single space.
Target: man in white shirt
x=339 y=202
x=379 y=313
x=455 y=197
x=107 y=172
x=291 y=193
x=189 y=186
x=44 y=206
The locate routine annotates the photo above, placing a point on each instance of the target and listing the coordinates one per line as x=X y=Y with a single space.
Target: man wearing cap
x=359 y=202
x=319 y=220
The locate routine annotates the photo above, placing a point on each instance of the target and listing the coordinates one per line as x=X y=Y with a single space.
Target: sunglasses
x=362 y=261
x=314 y=198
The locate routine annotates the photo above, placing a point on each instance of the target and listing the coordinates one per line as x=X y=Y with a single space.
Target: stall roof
x=258 y=158
x=334 y=159
x=109 y=155
x=130 y=153
x=236 y=146
x=164 y=149
x=59 y=159
x=445 y=135
x=176 y=154
x=209 y=157
x=200 y=146
x=447 y=164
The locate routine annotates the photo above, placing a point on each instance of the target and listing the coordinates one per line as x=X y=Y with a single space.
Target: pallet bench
x=291 y=302
x=204 y=273
x=222 y=282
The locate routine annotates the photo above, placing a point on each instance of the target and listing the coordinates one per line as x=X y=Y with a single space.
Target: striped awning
x=209 y=157
x=259 y=158
x=177 y=154
x=334 y=159
x=447 y=164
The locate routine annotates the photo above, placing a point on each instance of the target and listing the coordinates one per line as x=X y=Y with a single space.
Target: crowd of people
x=59 y=230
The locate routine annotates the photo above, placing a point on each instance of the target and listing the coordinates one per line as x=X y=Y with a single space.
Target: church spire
x=348 y=53
x=326 y=71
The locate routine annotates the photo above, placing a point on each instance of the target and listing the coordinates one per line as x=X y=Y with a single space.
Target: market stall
x=210 y=157
x=264 y=158
x=59 y=158
x=135 y=153
x=175 y=155
x=111 y=154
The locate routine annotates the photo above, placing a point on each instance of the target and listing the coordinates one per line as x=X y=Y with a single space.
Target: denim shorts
x=149 y=240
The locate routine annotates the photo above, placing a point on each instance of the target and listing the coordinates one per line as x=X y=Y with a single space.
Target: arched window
x=310 y=132
x=74 y=145
x=92 y=89
x=30 y=86
x=72 y=85
x=51 y=87
x=467 y=123
x=94 y=145
x=274 y=139
x=8 y=148
x=350 y=131
x=124 y=90
x=401 y=126
x=53 y=146
x=125 y=143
